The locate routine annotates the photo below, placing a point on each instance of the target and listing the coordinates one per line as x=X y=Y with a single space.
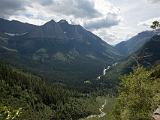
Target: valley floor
x=106 y=103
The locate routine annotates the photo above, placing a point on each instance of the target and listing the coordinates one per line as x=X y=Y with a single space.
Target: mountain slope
x=148 y=55
x=59 y=51
x=24 y=96
x=132 y=45
x=15 y=27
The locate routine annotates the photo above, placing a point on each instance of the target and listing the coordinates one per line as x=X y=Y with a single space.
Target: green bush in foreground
x=7 y=113
x=139 y=95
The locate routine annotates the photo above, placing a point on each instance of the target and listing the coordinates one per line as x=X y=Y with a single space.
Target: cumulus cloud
x=94 y=15
x=109 y=37
x=84 y=12
x=148 y=23
x=11 y=7
x=154 y=1
x=45 y=2
x=111 y=19
x=75 y=8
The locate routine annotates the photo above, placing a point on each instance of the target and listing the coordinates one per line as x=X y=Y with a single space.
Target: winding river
x=102 y=114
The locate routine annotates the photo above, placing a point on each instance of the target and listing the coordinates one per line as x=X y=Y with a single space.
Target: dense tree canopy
x=25 y=96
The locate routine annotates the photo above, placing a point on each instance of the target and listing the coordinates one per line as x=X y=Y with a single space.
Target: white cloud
x=148 y=23
x=76 y=8
x=115 y=34
x=10 y=7
x=154 y=1
x=111 y=19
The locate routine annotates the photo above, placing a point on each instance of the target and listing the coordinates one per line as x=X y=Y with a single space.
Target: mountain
x=132 y=45
x=71 y=38
x=15 y=27
x=148 y=55
x=58 y=51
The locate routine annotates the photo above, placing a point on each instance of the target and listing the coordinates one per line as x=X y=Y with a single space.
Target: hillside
x=58 y=51
x=148 y=55
x=34 y=99
x=15 y=27
x=135 y=43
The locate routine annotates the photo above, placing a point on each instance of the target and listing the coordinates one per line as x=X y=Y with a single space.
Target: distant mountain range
x=135 y=43
x=143 y=47
x=147 y=55
x=59 y=51
x=69 y=54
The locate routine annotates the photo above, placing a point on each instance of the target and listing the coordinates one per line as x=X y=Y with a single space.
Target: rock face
x=61 y=51
x=132 y=45
x=156 y=114
x=15 y=27
x=149 y=54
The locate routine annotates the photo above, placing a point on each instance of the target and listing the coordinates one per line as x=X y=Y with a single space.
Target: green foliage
x=36 y=100
x=7 y=113
x=139 y=95
x=155 y=25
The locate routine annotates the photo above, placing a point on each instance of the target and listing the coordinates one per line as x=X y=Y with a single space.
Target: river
x=102 y=114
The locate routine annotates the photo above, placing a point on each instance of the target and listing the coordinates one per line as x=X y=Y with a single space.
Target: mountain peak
x=51 y=22
x=63 y=21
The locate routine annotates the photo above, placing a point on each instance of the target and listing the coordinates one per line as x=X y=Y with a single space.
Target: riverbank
x=105 y=106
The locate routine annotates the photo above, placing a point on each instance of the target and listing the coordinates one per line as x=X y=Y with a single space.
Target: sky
x=112 y=20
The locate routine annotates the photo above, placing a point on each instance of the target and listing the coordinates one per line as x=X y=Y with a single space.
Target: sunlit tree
x=139 y=95
x=155 y=25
